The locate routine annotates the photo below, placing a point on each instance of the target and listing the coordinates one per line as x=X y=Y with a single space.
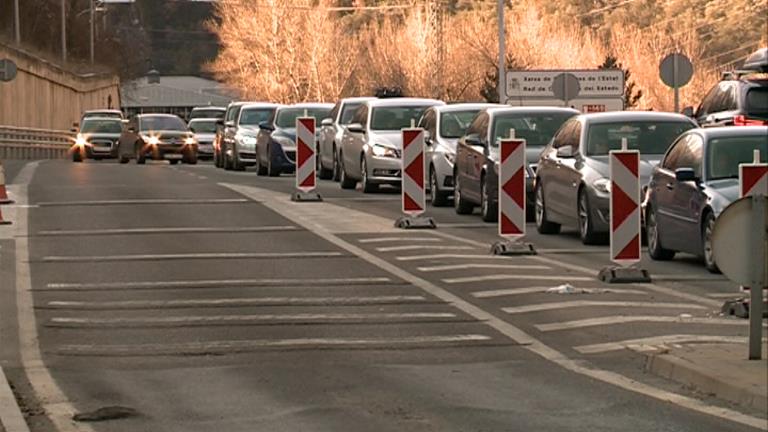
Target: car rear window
x=207 y=113
x=203 y=126
x=650 y=137
x=162 y=123
x=725 y=154
x=536 y=128
x=254 y=116
x=757 y=101
x=101 y=126
x=286 y=118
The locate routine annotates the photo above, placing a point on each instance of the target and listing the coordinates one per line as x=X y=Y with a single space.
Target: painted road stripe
x=167 y=230
x=143 y=201
x=220 y=283
x=644 y=343
x=623 y=319
x=481 y=265
x=589 y=303
x=235 y=302
x=543 y=289
x=267 y=319
x=191 y=256
x=396 y=239
x=516 y=277
x=450 y=256
x=689 y=278
x=466 y=225
x=421 y=247
x=240 y=346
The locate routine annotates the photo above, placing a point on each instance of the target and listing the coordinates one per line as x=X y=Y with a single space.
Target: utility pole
x=63 y=31
x=16 y=21
x=92 y=33
x=502 y=51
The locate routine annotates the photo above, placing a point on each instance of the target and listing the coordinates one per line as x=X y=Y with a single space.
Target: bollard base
x=512 y=248
x=740 y=308
x=6 y=201
x=299 y=196
x=624 y=275
x=415 y=222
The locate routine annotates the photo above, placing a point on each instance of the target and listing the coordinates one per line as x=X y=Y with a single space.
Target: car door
x=428 y=123
x=230 y=128
x=556 y=178
x=473 y=156
x=352 y=146
x=464 y=154
x=570 y=175
x=263 y=138
x=327 y=133
x=682 y=208
x=548 y=164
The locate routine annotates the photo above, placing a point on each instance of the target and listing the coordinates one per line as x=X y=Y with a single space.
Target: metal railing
x=31 y=143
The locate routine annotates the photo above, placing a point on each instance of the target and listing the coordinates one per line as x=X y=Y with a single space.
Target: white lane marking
x=396 y=239
x=450 y=256
x=53 y=402
x=514 y=277
x=191 y=256
x=143 y=201
x=733 y=295
x=556 y=251
x=642 y=343
x=11 y=417
x=623 y=319
x=465 y=225
x=590 y=303
x=252 y=345
x=374 y=199
x=182 y=321
x=688 y=278
x=481 y=265
x=235 y=302
x=420 y=247
x=543 y=289
x=202 y=177
x=218 y=283
x=280 y=204
x=166 y=230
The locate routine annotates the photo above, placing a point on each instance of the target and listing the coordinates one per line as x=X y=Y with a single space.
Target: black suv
x=739 y=99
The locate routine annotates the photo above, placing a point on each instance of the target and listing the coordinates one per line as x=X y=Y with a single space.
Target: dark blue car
x=696 y=180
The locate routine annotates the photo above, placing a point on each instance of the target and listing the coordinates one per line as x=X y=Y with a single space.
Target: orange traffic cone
x=3 y=193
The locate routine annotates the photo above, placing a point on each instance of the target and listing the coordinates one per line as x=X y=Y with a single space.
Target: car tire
x=173 y=161
x=77 y=156
x=345 y=180
x=272 y=170
x=323 y=173
x=336 y=176
x=707 y=252
x=124 y=159
x=437 y=197
x=543 y=225
x=216 y=159
x=656 y=250
x=460 y=205
x=237 y=165
x=191 y=158
x=586 y=226
x=489 y=210
x=141 y=158
x=367 y=186
x=260 y=169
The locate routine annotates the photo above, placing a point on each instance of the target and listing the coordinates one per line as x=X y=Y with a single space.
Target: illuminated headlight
x=383 y=151
x=602 y=185
x=81 y=141
x=152 y=140
x=190 y=141
x=249 y=140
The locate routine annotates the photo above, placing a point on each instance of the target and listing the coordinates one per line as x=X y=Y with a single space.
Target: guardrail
x=31 y=143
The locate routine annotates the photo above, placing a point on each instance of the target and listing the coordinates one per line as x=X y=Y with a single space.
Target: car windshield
x=757 y=101
x=207 y=113
x=648 y=136
x=162 y=123
x=103 y=115
x=348 y=112
x=207 y=126
x=725 y=154
x=454 y=123
x=101 y=126
x=536 y=128
x=286 y=118
x=395 y=118
x=254 y=116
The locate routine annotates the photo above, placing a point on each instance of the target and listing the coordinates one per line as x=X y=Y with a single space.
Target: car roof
x=464 y=106
x=610 y=117
x=401 y=101
x=95 y=118
x=111 y=111
x=248 y=105
x=358 y=99
x=204 y=119
x=158 y=115
x=731 y=131
x=497 y=110
x=217 y=108
x=309 y=105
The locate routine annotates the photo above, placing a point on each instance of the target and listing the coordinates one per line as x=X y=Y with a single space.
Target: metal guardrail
x=31 y=143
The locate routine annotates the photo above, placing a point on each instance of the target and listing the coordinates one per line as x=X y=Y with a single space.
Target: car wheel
x=237 y=165
x=586 y=224
x=345 y=181
x=173 y=161
x=543 y=225
x=124 y=159
x=460 y=205
x=141 y=158
x=708 y=251
x=272 y=170
x=323 y=173
x=368 y=187
x=437 y=197
x=216 y=159
x=488 y=209
x=655 y=250
x=260 y=168
x=336 y=176
x=77 y=156
x=190 y=158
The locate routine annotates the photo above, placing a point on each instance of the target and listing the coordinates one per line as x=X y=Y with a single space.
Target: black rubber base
x=624 y=275
x=511 y=248
x=7 y=201
x=306 y=197
x=415 y=222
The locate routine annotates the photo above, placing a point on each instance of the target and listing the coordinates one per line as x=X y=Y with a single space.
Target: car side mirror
x=266 y=126
x=327 y=122
x=565 y=152
x=356 y=128
x=474 y=140
x=687 y=111
x=686 y=175
x=229 y=124
x=427 y=138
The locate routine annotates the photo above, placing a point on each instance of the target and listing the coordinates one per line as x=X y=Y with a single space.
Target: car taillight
x=741 y=120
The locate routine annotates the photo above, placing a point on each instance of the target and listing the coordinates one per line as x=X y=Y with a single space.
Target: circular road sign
x=731 y=239
x=7 y=70
x=684 y=70
x=565 y=86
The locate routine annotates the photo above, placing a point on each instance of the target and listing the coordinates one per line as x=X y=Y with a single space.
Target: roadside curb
x=704 y=380
x=11 y=417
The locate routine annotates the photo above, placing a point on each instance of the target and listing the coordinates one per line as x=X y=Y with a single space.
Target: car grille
x=101 y=142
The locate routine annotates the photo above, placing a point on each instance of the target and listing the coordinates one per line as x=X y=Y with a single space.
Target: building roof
x=175 y=91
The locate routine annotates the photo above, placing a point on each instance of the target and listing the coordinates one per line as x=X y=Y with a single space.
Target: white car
x=331 y=129
x=371 y=145
x=444 y=125
x=239 y=146
x=204 y=130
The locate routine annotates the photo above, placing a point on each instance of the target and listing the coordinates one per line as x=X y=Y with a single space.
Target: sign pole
x=16 y=21
x=759 y=280
x=502 y=51
x=676 y=86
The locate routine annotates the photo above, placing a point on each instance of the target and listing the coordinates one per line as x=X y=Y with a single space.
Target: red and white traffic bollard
x=414 y=197
x=753 y=178
x=306 y=179
x=511 y=191
x=624 y=167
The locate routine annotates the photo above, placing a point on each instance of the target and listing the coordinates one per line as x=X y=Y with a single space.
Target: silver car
x=444 y=125
x=240 y=139
x=572 y=185
x=97 y=138
x=371 y=146
x=331 y=129
x=204 y=130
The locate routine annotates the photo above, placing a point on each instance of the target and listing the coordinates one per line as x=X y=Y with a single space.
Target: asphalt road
x=205 y=300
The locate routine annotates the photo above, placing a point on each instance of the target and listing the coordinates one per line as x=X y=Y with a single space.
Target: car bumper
x=205 y=150
x=384 y=170
x=284 y=159
x=443 y=173
x=170 y=151
x=100 y=152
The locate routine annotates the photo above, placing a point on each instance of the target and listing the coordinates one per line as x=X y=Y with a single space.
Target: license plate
x=173 y=156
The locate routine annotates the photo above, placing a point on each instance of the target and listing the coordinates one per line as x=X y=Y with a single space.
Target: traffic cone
x=3 y=193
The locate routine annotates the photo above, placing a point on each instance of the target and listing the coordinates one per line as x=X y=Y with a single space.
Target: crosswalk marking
x=543 y=289
x=588 y=303
x=218 y=283
x=643 y=343
x=483 y=266
x=515 y=277
x=420 y=247
x=450 y=256
x=396 y=239
x=236 y=302
x=191 y=256
x=166 y=230
x=143 y=201
x=622 y=319
x=241 y=346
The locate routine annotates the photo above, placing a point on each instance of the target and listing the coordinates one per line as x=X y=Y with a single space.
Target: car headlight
x=602 y=185
x=249 y=140
x=190 y=141
x=151 y=140
x=81 y=141
x=285 y=142
x=383 y=151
